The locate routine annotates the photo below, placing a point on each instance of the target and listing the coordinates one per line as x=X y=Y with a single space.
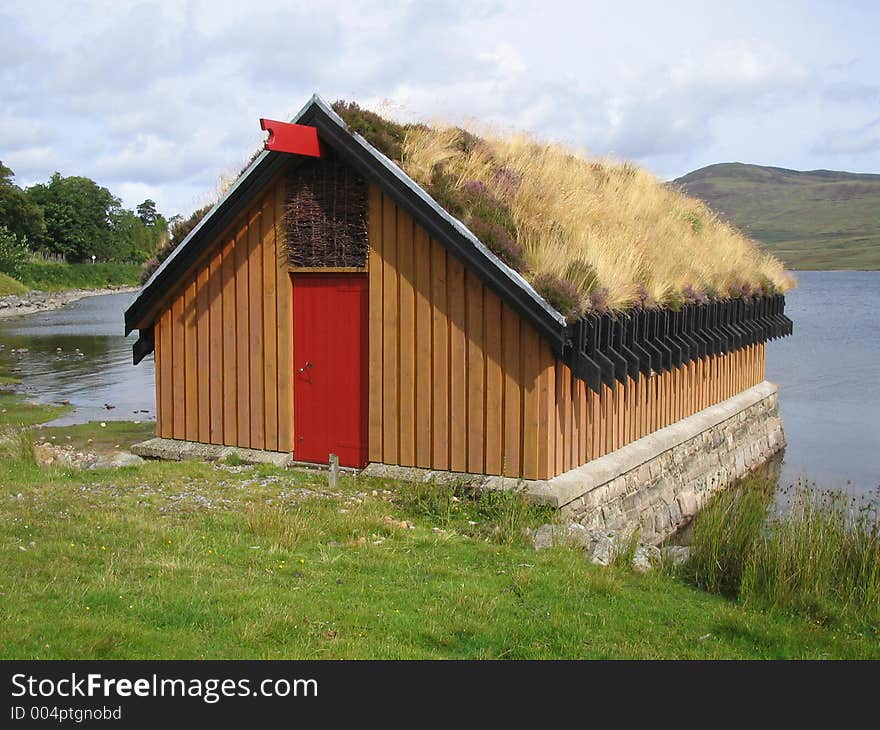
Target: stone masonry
x=659 y=483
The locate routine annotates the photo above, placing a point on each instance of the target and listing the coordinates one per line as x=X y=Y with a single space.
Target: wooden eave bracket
x=295 y=139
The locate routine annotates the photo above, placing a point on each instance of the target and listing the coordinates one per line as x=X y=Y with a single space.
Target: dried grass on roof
x=588 y=233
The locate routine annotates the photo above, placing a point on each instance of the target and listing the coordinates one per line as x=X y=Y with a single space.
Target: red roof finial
x=295 y=139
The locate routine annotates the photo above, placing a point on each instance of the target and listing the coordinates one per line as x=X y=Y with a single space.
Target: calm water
x=828 y=372
x=100 y=374
x=828 y=375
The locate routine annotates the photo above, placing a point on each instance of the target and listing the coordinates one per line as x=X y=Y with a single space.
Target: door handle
x=307 y=366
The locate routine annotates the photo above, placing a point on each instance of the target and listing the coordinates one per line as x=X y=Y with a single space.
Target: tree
x=13 y=252
x=78 y=215
x=135 y=241
x=18 y=214
x=181 y=227
x=146 y=211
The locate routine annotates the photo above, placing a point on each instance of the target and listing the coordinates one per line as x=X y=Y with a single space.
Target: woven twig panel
x=326 y=215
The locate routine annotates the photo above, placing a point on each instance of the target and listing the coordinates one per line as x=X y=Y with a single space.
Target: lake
x=93 y=367
x=827 y=372
x=829 y=378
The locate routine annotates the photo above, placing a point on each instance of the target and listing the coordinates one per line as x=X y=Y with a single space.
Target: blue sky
x=162 y=99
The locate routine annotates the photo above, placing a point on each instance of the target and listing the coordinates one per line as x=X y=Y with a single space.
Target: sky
x=162 y=100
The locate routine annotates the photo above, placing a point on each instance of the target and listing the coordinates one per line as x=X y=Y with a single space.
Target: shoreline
x=16 y=305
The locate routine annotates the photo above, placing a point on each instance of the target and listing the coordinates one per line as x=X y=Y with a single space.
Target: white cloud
x=161 y=98
x=33 y=164
x=17 y=132
x=853 y=142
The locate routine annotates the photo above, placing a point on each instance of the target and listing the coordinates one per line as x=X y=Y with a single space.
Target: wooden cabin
x=327 y=304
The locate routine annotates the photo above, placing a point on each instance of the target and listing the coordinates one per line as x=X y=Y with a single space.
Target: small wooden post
x=333 y=479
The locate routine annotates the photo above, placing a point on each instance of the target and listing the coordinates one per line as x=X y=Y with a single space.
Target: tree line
x=74 y=219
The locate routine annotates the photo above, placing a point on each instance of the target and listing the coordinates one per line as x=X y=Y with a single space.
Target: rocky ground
x=604 y=547
x=49 y=454
x=40 y=301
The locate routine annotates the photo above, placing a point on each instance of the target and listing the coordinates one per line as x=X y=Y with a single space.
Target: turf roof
x=588 y=234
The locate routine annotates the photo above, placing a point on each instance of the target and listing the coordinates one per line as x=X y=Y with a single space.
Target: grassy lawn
x=15 y=409
x=58 y=277
x=191 y=560
x=93 y=437
x=8 y=286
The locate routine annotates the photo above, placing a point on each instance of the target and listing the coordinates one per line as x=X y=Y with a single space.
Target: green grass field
x=191 y=560
x=93 y=437
x=811 y=220
x=57 y=277
x=14 y=409
x=8 y=286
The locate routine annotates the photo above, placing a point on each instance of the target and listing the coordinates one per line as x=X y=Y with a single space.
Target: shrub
x=643 y=297
x=56 y=277
x=385 y=135
x=14 y=252
x=692 y=295
x=150 y=265
x=180 y=229
x=562 y=295
x=599 y=300
x=499 y=242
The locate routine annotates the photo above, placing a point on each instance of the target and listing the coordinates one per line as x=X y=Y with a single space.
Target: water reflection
x=78 y=354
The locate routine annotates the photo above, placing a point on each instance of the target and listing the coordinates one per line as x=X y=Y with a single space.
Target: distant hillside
x=819 y=219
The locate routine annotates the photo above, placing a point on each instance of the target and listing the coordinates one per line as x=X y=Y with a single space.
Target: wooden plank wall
x=589 y=425
x=454 y=372
x=460 y=382
x=224 y=339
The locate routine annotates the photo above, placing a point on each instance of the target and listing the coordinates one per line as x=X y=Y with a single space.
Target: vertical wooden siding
x=460 y=382
x=454 y=372
x=588 y=425
x=224 y=339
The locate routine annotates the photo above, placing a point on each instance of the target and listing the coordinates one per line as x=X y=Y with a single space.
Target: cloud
x=855 y=142
x=847 y=91
x=31 y=163
x=17 y=132
x=162 y=98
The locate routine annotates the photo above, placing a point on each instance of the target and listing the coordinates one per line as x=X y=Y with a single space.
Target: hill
x=819 y=219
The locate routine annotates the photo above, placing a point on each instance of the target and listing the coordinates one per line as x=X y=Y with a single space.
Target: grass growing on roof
x=590 y=234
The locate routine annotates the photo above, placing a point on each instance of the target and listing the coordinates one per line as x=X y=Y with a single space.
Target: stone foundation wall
x=659 y=483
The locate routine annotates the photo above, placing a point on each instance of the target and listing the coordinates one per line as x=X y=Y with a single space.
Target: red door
x=330 y=320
